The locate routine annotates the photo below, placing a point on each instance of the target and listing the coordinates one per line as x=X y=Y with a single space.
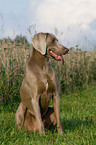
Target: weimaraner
x=39 y=85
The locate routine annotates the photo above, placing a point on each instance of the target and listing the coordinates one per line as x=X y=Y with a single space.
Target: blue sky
x=74 y=20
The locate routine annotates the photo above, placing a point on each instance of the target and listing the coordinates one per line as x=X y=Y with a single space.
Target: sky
x=72 y=21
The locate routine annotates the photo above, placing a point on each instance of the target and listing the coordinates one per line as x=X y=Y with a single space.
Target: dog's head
x=47 y=44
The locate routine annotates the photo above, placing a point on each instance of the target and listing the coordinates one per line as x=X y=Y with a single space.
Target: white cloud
x=72 y=17
x=62 y=13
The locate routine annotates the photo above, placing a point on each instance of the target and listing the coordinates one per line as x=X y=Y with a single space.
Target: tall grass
x=13 y=57
x=79 y=69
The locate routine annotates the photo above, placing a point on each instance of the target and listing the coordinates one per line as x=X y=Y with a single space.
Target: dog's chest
x=46 y=90
x=47 y=86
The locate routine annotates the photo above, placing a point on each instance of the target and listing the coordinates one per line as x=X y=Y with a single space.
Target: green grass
x=78 y=113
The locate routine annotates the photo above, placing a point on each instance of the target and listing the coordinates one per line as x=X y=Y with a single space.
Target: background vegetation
x=77 y=81
x=78 y=71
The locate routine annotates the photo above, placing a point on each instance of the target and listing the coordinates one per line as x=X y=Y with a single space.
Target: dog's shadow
x=76 y=123
x=73 y=124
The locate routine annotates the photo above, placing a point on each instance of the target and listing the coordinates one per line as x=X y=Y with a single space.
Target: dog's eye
x=53 y=41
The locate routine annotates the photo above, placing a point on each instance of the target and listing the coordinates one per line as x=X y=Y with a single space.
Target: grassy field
x=78 y=113
x=78 y=109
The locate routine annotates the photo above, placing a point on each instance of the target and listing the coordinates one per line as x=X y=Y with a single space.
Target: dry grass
x=79 y=69
x=13 y=57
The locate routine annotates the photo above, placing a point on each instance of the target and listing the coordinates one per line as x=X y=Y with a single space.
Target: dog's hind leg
x=20 y=115
x=30 y=123
x=48 y=120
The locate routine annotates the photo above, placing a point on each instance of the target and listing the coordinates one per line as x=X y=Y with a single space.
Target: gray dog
x=39 y=85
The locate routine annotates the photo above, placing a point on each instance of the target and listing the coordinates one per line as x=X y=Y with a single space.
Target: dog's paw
x=60 y=130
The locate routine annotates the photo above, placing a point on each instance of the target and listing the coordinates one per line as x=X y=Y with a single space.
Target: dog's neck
x=38 y=58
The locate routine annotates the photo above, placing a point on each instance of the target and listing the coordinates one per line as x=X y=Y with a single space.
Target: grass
x=78 y=109
x=78 y=113
x=79 y=68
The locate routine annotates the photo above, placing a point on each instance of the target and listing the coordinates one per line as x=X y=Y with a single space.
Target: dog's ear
x=39 y=42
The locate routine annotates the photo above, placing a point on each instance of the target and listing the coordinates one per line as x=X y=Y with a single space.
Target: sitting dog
x=40 y=85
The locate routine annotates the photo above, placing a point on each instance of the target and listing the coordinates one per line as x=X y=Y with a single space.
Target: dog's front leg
x=56 y=104
x=37 y=113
